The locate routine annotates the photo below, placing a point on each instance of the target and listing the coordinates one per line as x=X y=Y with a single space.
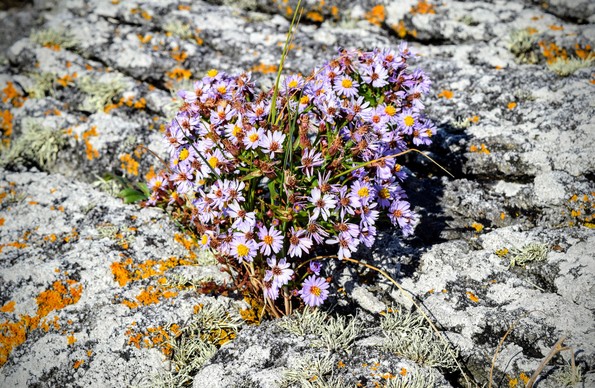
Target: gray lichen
x=530 y=253
x=566 y=67
x=313 y=372
x=54 y=38
x=38 y=144
x=99 y=94
x=523 y=45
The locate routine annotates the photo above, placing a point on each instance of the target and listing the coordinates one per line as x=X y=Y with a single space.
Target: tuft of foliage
x=413 y=379
x=523 y=45
x=409 y=336
x=38 y=144
x=43 y=83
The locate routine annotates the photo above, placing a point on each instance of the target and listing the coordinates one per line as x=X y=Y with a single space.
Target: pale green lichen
x=413 y=379
x=331 y=333
x=530 y=253
x=566 y=67
x=37 y=144
x=461 y=123
x=195 y=344
x=54 y=38
x=409 y=336
x=43 y=83
x=523 y=45
x=568 y=376
x=313 y=372
x=100 y=94
x=179 y=29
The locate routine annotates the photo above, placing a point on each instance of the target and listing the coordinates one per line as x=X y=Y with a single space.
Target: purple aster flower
x=310 y=159
x=242 y=249
x=369 y=215
x=291 y=83
x=399 y=213
x=368 y=236
x=253 y=138
x=244 y=221
x=315 y=231
x=376 y=75
x=222 y=114
x=376 y=116
x=361 y=193
x=314 y=291
x=344 y=202
x=345 y=86
x=270 y=289
x=315 y=267
x=298 y=242
x=407 y=120
x=347 y=245
x=271 y=241
x=280 y=271
x=258 y=112
x=323 y=203
x=234 y=190
x=273 y=143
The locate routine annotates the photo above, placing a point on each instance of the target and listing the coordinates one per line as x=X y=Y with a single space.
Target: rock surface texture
x=95 y=292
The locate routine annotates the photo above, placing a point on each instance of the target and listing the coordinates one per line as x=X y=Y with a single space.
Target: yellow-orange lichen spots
x=376 y=15
x=129 y=164
x=91 y=152
x=10 y=94
x=446 y=94
x=482 y=149
x=128 y=271
x=62 y=293
x=423 y=7
x=179 y=74
x=472 y=297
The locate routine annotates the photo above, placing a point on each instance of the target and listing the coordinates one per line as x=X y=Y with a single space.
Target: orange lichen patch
x=183 y=7
x=127 y=271
x=179 y=74
x=1 y=221
x=150 y=174
x=472 y=297
x=477 y=226
x=314 y=16
x=555 y=27
x=66 y=79
x=502 y=215
x=152 y=337
x=71 y=339
x=446 y=94
x=73 y=235
x=376 y=15
x=189 y=242
x=583 y=53
x=10 y=93
x=402 y=31
x=179 y=56
x=8 y=307
x=6 y=125
x=423 y=7
x=91 y=152
x=264 y=69
x=552 y=52
x=77 y=364
x=153 y=295
x=51 y=238
x=474 y=119
x=62 y=294
x=14 y=333
x=524 y=378
x=481 y=149
x=340 y=364
x=144 y=39
x=511 y=105
x=129 y=164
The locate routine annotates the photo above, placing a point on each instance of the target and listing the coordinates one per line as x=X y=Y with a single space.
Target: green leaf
x=130 y=195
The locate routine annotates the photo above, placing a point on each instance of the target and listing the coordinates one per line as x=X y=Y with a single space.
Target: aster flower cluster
x=266 y=178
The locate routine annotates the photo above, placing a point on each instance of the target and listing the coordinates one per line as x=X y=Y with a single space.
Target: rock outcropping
x=95 y=292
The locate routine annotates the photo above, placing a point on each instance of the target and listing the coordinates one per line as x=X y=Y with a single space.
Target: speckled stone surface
x=86 y=281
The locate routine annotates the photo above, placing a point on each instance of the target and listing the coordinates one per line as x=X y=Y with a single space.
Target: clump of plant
x=567 y=66
x=409 y=336
x=54 y=38
x=313 y=372
x=269 y=179
x=100 y=94
x=530 y=253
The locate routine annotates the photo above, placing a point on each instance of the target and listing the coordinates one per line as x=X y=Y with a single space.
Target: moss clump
x=409 y=336
x=38 y=144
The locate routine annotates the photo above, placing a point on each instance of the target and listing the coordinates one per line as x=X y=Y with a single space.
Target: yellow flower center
x=222 y=89
x=409 y=121
x=397 y=167
x=304 y=100
x=212 y=73
x=363 y=192
x=268 y=240
x=243 y=250
x=384 y=193
x=236 y=131
x=346 y=83
x=293 y=83
x=390 y=110
x=184 y=154
x=429 y=132
x=315 y=290
x=253 y=137
x=204 y=239
x=157 y=184
x=213 y=161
